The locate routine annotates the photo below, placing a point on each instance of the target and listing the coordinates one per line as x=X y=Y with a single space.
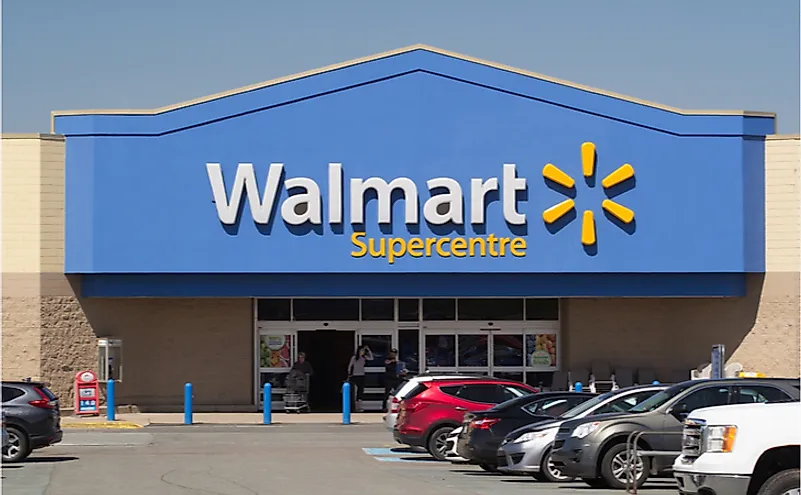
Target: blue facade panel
x=140 y=195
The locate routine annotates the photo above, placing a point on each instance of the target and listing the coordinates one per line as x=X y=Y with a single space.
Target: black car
x=483 y=432
x=33 y=418
x=594 y=448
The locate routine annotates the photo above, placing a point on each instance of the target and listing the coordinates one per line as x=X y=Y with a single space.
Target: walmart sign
x=305 y=206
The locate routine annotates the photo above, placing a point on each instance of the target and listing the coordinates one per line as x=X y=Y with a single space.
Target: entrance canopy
x=415 y=162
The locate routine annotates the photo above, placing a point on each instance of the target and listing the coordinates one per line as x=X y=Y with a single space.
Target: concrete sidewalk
x=139 y=420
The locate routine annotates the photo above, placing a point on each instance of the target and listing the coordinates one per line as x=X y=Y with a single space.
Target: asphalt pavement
x=258 y=460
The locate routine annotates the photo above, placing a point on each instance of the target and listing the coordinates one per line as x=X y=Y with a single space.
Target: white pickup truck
x=747 y=449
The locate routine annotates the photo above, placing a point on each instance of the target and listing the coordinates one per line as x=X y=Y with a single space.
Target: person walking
x=391 y=376
x=358 y=362
x=303 y=365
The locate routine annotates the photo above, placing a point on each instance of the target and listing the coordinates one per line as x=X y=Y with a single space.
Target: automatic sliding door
x=473 y=352
x=508 y=356
x=380 y=338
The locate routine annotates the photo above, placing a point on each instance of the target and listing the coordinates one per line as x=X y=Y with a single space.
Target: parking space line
x=416 y=460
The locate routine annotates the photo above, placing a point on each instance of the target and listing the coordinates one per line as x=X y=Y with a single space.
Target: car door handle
x=460 y=408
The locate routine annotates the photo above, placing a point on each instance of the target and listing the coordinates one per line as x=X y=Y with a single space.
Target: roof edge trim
x=357 y=61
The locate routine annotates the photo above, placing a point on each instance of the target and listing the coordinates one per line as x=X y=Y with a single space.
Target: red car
x=430 y=412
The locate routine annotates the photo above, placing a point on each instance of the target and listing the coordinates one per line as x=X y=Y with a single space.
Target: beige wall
x=33 y=233
x=208 y=342
x=49 y=333
x=782 y=206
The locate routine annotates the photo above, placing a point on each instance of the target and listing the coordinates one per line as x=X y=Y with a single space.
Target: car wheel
x=782 y=483
x=18 y=447
x=597 y=483
x=614 y=465
x=549 y=473
x=438 y=443
x=489 y=468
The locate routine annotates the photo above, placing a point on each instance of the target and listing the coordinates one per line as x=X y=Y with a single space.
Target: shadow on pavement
x=645 y=488
x=523 y=479
x=43 y=459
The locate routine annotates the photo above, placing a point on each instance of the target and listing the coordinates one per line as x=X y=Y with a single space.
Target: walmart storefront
x=477 y=217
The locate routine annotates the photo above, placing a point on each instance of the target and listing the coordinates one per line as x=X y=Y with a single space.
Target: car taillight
x=414 y=406
x=44 y=402
x=395 y=405
x=483 y=424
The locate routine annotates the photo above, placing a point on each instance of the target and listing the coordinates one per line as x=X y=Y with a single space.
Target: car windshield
x=586 y=406
x=660 y=398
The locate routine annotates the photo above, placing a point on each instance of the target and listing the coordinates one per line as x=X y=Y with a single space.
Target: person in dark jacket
x=391 y=375
x=302 y=365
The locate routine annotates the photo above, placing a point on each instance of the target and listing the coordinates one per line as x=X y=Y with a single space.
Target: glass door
x=276 y=351
x=507 y=358
x=380 y=337
x=473 y=352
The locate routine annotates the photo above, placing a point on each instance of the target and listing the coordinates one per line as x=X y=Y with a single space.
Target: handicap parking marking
x=400 y=454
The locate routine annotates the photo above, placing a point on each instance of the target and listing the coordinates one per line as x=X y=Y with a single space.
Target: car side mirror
x=680 y=412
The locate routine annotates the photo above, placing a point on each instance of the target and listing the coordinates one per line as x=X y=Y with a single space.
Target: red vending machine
x=87 y=394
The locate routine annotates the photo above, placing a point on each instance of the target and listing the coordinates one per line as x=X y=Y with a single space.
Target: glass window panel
x=542 y=309
x=440 y=350
x=408 y=310
x=374 y=380
x=277 y=380
x=706 y=397
x=481 y=393
x=378 y=310
x=409 y=349
x=490 y=309
x=542 y=379
x=507 y=350
x=275 y=351
x=274 y=309
x=439 y=309
x=473 y=350
x=518 y=377
x=753 y=394
x=326 y=309
x=379 y=345
x=541 y=350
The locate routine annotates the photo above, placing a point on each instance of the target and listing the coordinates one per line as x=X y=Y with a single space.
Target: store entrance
x=329 y=353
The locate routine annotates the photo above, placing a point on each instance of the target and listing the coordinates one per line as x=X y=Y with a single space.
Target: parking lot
x=248 y=460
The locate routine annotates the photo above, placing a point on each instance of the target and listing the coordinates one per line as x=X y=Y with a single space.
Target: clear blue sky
x=710 y=54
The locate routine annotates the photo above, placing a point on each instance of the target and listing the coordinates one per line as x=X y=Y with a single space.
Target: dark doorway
x=329 y=353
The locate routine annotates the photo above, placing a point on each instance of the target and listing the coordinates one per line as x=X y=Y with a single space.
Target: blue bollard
x=655 y=382
x=346 y=403
x=188 y=404
x=110 y=412
x=268 y=403
x=578 y=387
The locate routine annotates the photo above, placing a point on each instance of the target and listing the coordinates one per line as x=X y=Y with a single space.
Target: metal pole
x=578 y=387
x=188 y=404
x=110 y=406
x=267 y=408
x=346 y=403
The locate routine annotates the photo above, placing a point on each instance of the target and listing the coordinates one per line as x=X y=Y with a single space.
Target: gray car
x=527 y=450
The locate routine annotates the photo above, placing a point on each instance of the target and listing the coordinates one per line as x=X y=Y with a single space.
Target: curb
x=119 y=425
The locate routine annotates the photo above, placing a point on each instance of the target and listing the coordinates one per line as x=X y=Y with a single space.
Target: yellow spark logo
x=552 y=173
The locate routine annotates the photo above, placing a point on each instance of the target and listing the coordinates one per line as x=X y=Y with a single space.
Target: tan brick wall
x=166 y=343
x=20 y=199
x=783 y=204
x=51 y=204
x=21 y=263
x=672 y=335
